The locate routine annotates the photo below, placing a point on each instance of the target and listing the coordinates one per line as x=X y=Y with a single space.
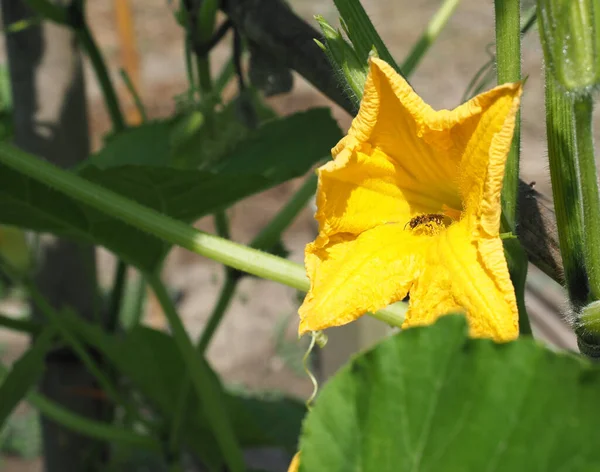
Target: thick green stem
x=168 y=229
x=566 y=190
x=433 y=30
x=209 y=395
x=588 y=178
x=508 y=66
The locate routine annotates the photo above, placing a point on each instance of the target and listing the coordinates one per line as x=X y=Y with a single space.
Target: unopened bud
x=344 y=57
x=570 y=34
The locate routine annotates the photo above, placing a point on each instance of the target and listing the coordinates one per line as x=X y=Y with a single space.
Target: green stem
x=588 y=178
x=118 y=121
x=433 y=30
x=168 y=229
x=209 y=395
x=508 y=66
x=204 y=76
x=189 y=59
x=110 y=96
x=137 y=100
x=222 y=224
x=361 y=31
x=23 y=326
x=225 y=297
x=566 y=191
x=216 y=316
x=116 y=297
x=271 y=234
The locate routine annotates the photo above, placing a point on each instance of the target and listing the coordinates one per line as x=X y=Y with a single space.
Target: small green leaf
x=431 y=399
x=24 y=374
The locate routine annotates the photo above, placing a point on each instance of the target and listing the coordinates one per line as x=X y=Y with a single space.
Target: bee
x=426 y=220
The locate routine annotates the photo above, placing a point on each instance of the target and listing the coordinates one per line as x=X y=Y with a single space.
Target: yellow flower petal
x=394 y=119
x=295 y=464
x=351 y=275
x=420 y=170
x=357 y=192
x=465 y=276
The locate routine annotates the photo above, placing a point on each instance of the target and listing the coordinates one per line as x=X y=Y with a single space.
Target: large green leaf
x=24 y=374
x=278 y=151
x=431 y=399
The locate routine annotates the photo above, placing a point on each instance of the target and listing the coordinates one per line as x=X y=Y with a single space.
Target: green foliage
x=432 y=399
x=151 y=363
x=277 y=151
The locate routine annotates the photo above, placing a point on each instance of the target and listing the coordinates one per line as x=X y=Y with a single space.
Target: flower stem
x=508 y=64
x=433 y=30
x=588 y=178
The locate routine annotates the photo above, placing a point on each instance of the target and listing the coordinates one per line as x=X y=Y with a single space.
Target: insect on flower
x=427 y=220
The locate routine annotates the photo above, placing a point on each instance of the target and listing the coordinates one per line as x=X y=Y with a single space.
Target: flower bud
x=344 y=58
x=570 y=34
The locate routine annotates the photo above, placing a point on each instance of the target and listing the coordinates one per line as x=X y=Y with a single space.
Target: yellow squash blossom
x=411 y=203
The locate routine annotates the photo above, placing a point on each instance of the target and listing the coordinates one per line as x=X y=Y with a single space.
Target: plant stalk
x=508 y=65
x=588 y=178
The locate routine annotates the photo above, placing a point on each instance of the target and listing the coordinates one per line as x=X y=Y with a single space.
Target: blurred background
x=256 y=346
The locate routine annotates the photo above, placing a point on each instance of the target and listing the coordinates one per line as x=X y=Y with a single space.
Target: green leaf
x=278 y=151
x=24 y=374
x=361 y=31
x=431 y=399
